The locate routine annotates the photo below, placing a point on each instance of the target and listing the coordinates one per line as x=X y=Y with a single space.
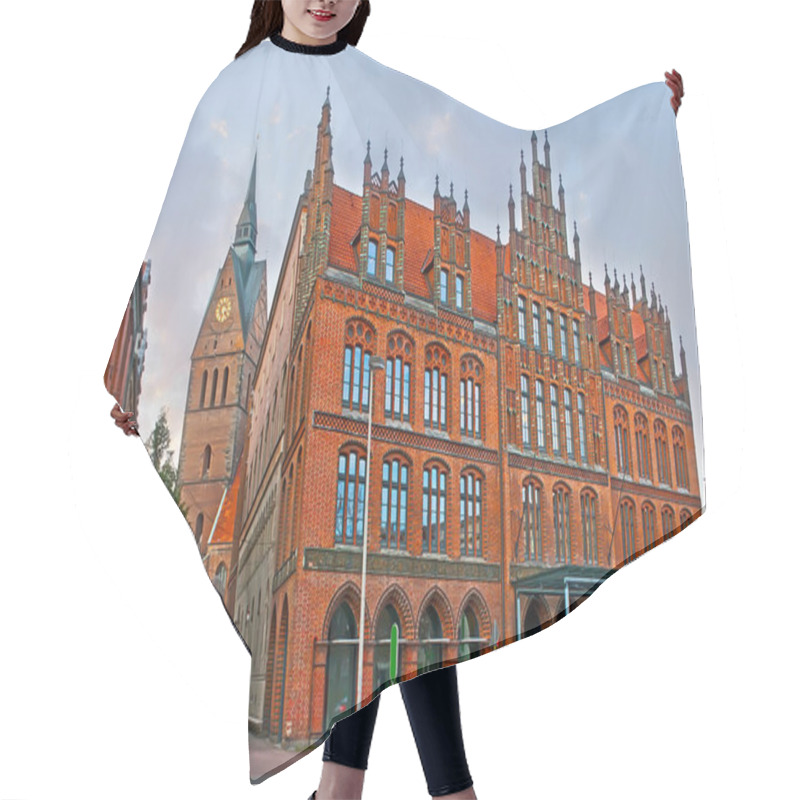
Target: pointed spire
x=633 y=289
x=401 y=175
x=451 y=191
x=607 y=280
x=652 y=295
x=436 y=191
x=385 y=167
x=643 y=285
x=590 y=280
x=535 y=151
x=498 y=234
x=246 y=226
x=327 y=97
x=367 y=159
x=466 y=203
x=546 y=151
x=616 y=280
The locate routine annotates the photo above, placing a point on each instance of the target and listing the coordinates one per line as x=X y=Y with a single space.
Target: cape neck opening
x=308 y=49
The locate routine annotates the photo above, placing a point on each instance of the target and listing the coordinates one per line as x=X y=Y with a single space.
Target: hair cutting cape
x=419 y=381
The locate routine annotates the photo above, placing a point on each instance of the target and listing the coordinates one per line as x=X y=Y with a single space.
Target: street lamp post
x=375 y=363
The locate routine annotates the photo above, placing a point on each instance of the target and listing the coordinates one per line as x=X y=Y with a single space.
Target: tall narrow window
x=664 y=375
x=350 y=497
x=398 y=378
x=628 y=520
x=521 y=326
x=563 y=329
x=435 y=390
x=648 y=526
x=359 y=341
x=554 y=419
x=622 y=439
x=372 y=257
x=203 y=386
x=582 y=427
x=541 y=442
x=390 y=264
x=394 y=504
x=568 y=438
x=470 y=398
x=443 y=286
x=537 y=325
x=679 y=450
x=643 y=447
x=532 y=520
x=589 y=526
x=662 y=452
x=576 y=341
x=434 y=510
x=667 y=522
x=206 y=467
x=525 y=409
x=460 y=292
x=224 y=386
x=471 y=515
x=561 y=530
x=214 y=378
x=551 y=333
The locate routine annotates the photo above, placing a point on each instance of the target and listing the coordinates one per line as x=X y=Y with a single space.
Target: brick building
x=529 y=436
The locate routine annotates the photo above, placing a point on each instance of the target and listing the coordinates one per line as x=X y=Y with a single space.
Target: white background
x=121 y=676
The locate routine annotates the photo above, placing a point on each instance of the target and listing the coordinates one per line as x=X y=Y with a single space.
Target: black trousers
x=431 y=701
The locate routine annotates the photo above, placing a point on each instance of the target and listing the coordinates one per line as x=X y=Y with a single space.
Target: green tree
x=157 y=445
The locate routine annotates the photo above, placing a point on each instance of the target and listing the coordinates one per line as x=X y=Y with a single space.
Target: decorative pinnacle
x=451 y=189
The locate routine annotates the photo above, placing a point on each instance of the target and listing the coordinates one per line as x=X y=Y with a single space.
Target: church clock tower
x=223 y=363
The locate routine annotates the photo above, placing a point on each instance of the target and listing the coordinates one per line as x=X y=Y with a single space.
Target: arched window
x=541 y=440
x=589 y=526
x=383 y=643
x=471 y=514
x=206 y=461
x=582 y=427
x=359 y=341
x=471 y=376
x=679 y=450
x=390 y=264
x=214 y=388
x=662 y=452
x=686 y=517
x=224 y=386
x=621 y=437
x=667 y=522
x=470 y=642
x=525 y=417
x=203 y=386
x=532 y=519
x=434 y=509
x=576 y=342
x=628 y=520
x=198 y=528
x=221 y=579
x=522 y=327
x=561 y=529
x=429 y=654
x=372 y=257
x=537 y=325
x=554 y=437
x=394 y=504
x=568 y=438
x=642 y=447
x=350 y=497
x=437 y=366
x=648 y=526
x=342 y=664
x=398 y=377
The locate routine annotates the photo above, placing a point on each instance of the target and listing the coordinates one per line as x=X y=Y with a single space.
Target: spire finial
x=451 y=189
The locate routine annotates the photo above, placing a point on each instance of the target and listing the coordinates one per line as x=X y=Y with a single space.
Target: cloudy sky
x=619 y=162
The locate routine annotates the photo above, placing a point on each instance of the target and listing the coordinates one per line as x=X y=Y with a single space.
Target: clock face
x=224 y=308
